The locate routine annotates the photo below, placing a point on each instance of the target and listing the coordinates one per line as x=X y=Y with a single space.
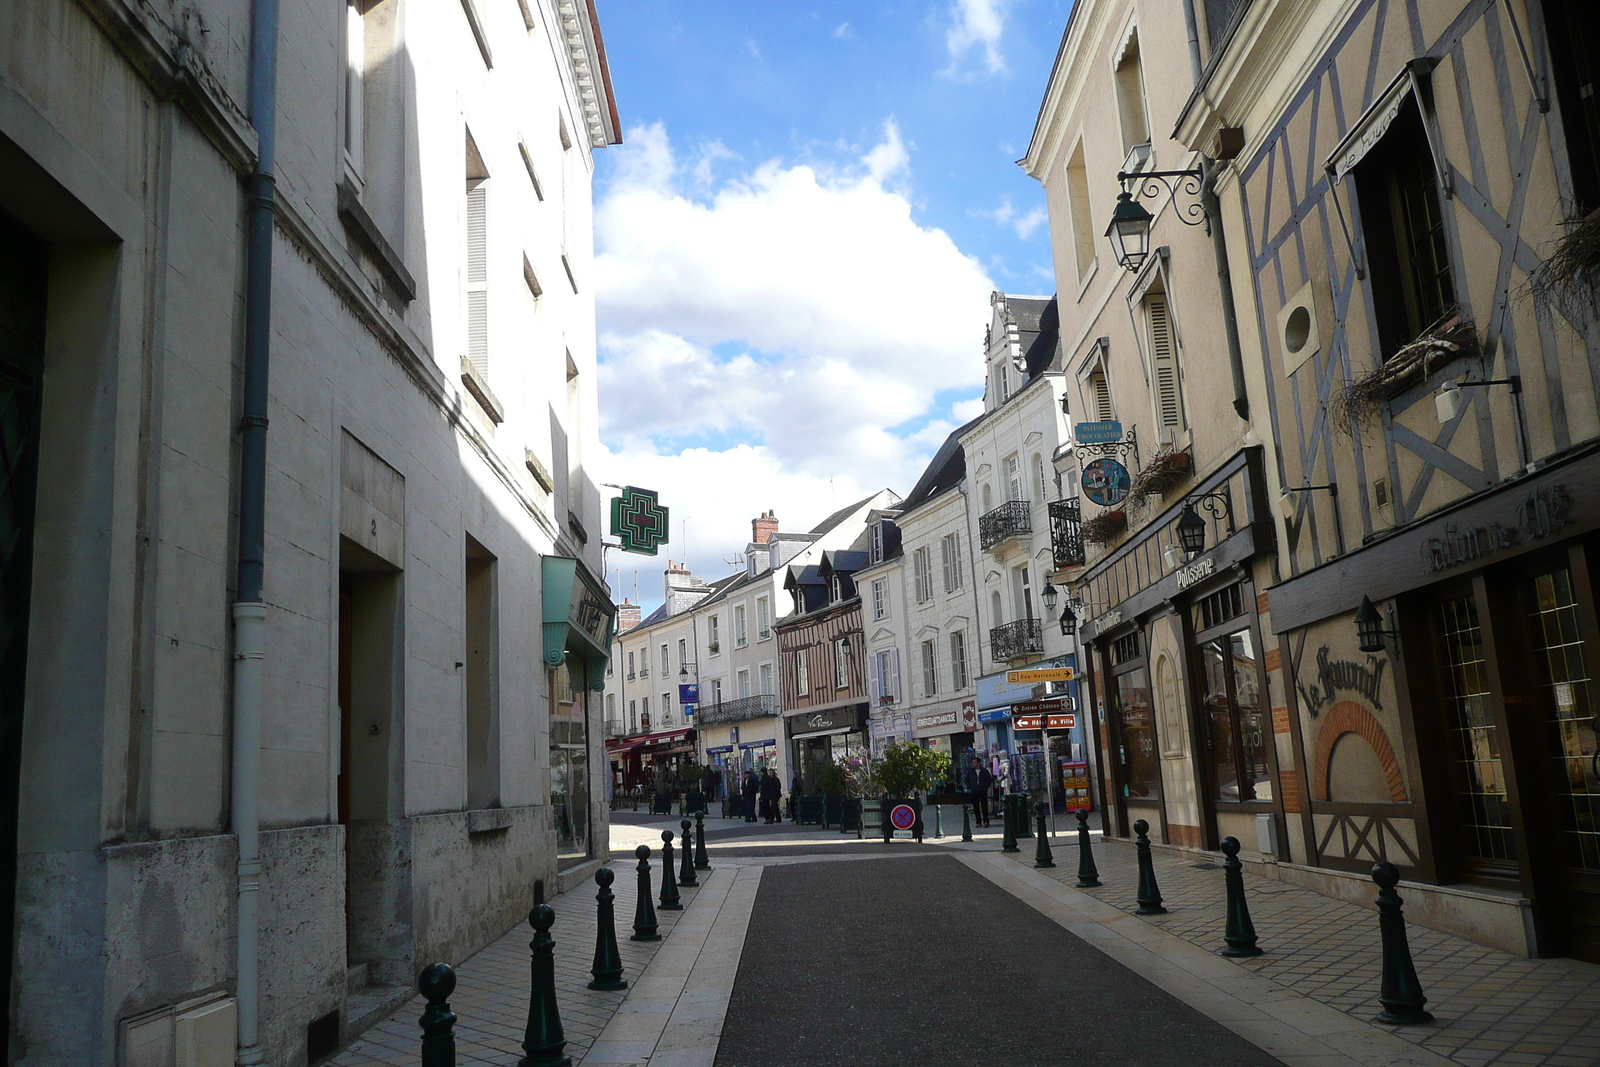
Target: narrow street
x=804 y=946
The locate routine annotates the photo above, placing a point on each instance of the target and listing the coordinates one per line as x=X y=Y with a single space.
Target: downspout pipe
x=1230 y=317
x=249 y=607
x=1190 y=24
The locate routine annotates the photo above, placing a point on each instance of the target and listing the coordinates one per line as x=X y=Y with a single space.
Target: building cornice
x=591 y=75
x=1068 y=73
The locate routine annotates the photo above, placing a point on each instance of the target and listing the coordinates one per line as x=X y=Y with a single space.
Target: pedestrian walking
x=794 y=797
x=982 y=783
x=771 y=790
x=749 y=790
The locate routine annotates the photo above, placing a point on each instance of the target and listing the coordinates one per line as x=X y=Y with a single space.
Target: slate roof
x=845 y=560
x=827 y=524
x=944 y=471
x=1039 y=327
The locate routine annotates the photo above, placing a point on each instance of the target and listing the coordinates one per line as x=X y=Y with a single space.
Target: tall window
x=1097 y=395
x=1039 y=477
x=1165 y=379
x=766 y=679
x=355 y=92
x=922 y=575
x=740 y=637
x=802 y=671
x=1130 y=97
x=1483 y=814
x=1083 y=235
x=611 y=710
x=1402 y=225
x=683 y=651
x=1235 y=718
x=477 y=262
x=716 y=690
x=1574 y=37
x=763 y=618
x=930 y=669
x=886 y=676
x=666 y=661
x=743 y=679
x=950 y=558
x=841 y=663
x=1139 y=767
x=713 y=630
x=633 y=715
x=880 y=598
x=666 y=709
x=1014 y=487
x=630 y=664
x=482 y=682
x=958 y=660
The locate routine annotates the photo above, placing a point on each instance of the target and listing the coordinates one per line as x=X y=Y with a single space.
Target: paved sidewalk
x=1490 y=1007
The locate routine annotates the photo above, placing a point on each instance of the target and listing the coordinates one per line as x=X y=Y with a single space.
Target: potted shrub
x=831 y=783
x=904 y=772
x=695 y=799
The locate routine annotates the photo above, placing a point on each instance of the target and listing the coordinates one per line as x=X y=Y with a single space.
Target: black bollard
x=966 y=823
x=1041 y=854
x=1401 y=992
x=938 y=821
x=644 y=913
x=1149 y=895
x=1088 y=874
x=686 y=869
x=670 y=901
x=436 y=982
x=607 y=969
x=702 y=862
x=1024 y=824
x=1241 y=932
x=1008 y=825
x=544 y=1038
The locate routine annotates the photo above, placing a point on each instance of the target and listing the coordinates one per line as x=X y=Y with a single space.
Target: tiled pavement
x=1490 y=1007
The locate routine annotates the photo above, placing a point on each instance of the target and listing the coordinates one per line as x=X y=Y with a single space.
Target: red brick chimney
x=763 y=527
x=628 y=615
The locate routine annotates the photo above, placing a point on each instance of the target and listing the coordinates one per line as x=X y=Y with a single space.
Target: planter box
x=850 y=816
x=832 y=810
x=696 y=802
x=661 y=804
x=810 y=811
x=872 y=816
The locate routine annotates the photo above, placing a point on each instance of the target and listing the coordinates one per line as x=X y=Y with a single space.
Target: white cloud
x=763 y=336
x=976 y=24
x=1024 y=224
x=843 y=30
x=964 y=411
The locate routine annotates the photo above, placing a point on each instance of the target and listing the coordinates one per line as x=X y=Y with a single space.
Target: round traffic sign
x=903 y=817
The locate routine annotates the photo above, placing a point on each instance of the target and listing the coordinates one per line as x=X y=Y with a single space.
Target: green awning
x=579 y=618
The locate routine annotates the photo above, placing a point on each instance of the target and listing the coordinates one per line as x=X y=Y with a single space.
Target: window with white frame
x=841 y=663
x=740 y=637
x=880 y=598
x=355 y=92
x=713 y=630
x=1039 y=479
x=477 y=261
x=630 y=665
x=885 y=681
x=766 y=679
x=1131 y=109
x=743 y=682
x=716 y=690
x=1094 y=382
x=930 y=668
x=950 y=558
x=666 y=661
x=644 y=709
x=611 y=709
x=802 y=672
x=666 y=709
x=763 y=618
x=683 y=651
x=922 y=575
x=958 y=660
x=633 y=715
x=1015 y=490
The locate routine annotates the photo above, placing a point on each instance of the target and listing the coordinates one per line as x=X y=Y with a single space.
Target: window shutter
x=944 y=558
x=1100 y=389
x=875 y=679
x=477 y=280
x=894 y=674
x=1164 y=361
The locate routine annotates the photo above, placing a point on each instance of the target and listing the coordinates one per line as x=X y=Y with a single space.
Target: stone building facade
x=255 y=805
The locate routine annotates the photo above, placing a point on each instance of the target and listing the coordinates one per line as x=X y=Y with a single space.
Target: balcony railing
x=1025 y=637
x=1011 y=519
x=736 y=710
x=1066 y=532
x=644 y=672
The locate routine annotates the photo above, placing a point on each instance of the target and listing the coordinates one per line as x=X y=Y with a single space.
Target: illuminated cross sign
x=638 y=521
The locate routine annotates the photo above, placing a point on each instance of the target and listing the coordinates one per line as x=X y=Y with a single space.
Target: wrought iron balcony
x=1025 y=637
x=1066 y=532
x=739 y=709
x=1011 y=519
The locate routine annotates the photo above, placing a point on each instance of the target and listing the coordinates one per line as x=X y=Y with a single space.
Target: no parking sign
x=903 y=818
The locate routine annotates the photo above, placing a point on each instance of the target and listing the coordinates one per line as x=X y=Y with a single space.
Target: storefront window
x=569 y=761
x=1235 y=720
x=1480 y=780
x=1571 y=715
x=1141 y=773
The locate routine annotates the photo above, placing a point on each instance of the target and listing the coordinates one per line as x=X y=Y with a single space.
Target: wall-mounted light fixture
x=1192 y=528
x=1370 y=631
x=1129 y=231
x=1289 y=498
x=1448 y=401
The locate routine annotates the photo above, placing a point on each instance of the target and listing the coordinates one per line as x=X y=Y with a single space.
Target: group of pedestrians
x=768 y=789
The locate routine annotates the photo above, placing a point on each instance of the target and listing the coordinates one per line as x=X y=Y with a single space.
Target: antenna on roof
x=735 y=561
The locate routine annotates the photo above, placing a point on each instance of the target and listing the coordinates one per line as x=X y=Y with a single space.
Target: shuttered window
x=922 y=572
x=930 y=669
x=958 y=660
x=1164 y=370
x=1100 y=396
x=950 y=551
x=478 y=279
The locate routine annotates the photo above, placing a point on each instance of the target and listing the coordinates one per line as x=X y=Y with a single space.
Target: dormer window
x=877 y=543
x=836 y=588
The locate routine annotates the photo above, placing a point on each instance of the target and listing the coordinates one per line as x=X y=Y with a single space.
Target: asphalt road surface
x=921 y=961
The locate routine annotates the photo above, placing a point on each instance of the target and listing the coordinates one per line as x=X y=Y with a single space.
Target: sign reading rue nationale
x=1039 y=674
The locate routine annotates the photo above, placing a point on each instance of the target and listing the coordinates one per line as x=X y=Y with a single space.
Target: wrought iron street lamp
x=1370 y=631
x=1050 y=595
x=1069 y=621
x=1129 y=232
x=1191 y=532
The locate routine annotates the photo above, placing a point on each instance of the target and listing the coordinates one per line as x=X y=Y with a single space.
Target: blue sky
x=796 y=244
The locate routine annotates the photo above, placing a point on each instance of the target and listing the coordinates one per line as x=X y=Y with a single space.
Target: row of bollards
x=544 y=1040
x=1400 y=991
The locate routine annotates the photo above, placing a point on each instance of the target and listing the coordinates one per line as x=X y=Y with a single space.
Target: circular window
x=1297 y=330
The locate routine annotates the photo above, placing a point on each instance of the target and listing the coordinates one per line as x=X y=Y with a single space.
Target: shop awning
x=824 y=733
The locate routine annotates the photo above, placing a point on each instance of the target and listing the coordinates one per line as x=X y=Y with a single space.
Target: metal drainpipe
x=1230 y=318
x=1194 y=40
x=249 y=609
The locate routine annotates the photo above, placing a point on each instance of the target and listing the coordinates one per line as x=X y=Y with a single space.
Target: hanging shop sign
x=997 y=715
x=719 y=750
x=1106 y=482
x=578 y=618
x=689 y=693
x=845 y=718
x=969 y=714
x=638 y=520
x=1097 y=433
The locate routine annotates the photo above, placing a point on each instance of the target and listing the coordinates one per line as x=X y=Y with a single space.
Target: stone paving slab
x=1490 y=1007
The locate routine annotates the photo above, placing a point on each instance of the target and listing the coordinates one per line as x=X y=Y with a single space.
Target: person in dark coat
x=749 y=791
x=980 y=782
x=771 y=790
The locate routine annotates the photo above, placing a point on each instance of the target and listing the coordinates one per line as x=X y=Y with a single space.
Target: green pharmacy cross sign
x=638 y=521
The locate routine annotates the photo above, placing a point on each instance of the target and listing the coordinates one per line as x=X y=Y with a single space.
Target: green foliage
x=905 y=768
x=691 y=774
x=830 y=780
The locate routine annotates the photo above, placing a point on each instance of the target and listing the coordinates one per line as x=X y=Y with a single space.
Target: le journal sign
x=1542 y=512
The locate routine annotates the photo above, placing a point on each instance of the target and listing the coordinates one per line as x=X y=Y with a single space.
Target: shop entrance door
x=23 y=262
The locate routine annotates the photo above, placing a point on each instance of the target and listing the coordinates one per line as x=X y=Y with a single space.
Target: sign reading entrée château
x=638 y=521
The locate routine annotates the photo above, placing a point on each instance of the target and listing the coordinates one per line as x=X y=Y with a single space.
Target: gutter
x=249 y=608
